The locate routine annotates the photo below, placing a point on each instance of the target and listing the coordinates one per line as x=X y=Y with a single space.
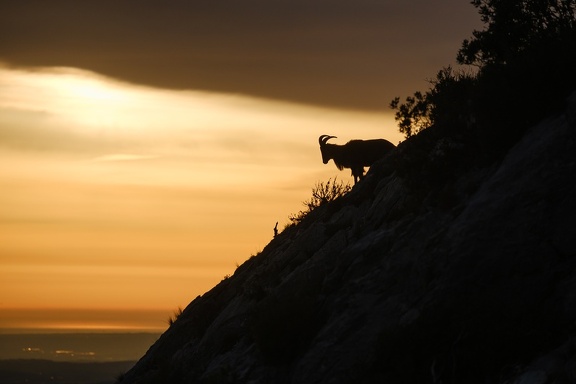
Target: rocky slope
x=434 y=269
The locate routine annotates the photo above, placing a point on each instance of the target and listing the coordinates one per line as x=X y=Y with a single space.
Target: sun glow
x=90 y=90
x=120 y=196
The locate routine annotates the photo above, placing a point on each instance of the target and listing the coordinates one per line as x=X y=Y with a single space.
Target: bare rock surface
x=436 y=274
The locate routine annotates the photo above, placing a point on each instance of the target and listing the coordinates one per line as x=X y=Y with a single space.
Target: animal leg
x=358 y=174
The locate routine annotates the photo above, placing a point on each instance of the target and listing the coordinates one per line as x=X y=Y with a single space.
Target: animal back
x=370 y=151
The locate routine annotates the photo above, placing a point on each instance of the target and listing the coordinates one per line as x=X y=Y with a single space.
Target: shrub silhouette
x=322 y=193
x=523 y=62
x=445 y=104
x=172 y=319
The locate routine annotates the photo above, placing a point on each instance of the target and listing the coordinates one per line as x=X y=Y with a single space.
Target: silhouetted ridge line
x=435 y=268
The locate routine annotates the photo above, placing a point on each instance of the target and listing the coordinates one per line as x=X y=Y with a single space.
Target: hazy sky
x=352 y=54
x=148 y=147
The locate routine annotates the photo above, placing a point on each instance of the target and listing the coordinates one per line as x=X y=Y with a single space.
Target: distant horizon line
x=101 y=331
x=51 y=321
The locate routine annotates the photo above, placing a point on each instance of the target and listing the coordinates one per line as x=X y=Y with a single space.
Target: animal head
x=326 y=155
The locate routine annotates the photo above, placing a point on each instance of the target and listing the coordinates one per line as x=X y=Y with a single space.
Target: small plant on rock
x=322 y=193
x=172 y=319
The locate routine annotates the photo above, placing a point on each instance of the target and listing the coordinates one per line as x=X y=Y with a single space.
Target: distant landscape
x=65 y=358
x=46 y=371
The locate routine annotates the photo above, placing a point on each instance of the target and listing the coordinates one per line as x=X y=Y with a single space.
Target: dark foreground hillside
x=431 y=270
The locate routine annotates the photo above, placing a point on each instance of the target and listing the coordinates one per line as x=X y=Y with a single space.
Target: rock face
x=435 y=273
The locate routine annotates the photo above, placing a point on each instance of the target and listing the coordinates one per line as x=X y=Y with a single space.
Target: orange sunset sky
x=148 y=148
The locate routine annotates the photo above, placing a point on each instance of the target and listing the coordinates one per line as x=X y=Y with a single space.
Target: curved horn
x=324 y=138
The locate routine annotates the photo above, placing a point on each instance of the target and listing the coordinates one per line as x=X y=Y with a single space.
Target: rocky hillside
x=434 y=269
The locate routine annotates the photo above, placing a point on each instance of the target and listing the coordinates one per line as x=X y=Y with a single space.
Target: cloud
x=75 y=112
x=356 y=54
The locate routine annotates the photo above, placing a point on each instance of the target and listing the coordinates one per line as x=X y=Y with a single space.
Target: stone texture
x=413 y=277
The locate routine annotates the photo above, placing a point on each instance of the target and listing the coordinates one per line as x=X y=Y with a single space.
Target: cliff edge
x=434 y=269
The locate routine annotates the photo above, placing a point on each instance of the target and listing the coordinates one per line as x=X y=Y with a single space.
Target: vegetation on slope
x=522 y=69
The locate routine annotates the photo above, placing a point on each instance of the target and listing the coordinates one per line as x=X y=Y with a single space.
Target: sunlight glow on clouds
x=125 y=196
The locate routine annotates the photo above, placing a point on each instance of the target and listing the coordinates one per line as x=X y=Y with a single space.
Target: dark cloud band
x=337 y=53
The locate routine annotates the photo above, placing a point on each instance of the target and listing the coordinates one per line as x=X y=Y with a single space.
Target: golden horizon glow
x=115 y=195
x=50 y=320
